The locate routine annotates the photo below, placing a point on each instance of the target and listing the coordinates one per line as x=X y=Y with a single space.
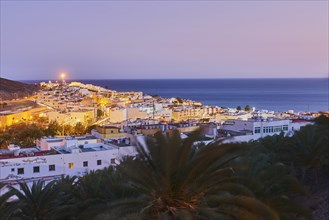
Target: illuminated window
x=71 y=165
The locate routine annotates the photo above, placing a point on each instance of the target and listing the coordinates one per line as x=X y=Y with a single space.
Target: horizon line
x=235 y=78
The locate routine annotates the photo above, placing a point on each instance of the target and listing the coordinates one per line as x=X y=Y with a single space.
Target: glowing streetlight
x=63 y=76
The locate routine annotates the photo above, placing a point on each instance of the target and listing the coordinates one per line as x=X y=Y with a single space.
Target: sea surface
x=269 y=94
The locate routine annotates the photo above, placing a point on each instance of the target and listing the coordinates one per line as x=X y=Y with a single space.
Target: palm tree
x=272 y=146
x=175 y=180
x=272 y=182
x=6 y=209
x=67 y=206
x=38 y=202
x=98 y=188
x=309 y=151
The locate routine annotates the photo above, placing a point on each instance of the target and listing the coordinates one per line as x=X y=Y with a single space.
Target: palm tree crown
x=175 y=180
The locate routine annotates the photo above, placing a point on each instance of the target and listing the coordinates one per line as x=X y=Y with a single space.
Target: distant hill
x=10 y=89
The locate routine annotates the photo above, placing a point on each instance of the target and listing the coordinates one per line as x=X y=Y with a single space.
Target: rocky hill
x=10 y=89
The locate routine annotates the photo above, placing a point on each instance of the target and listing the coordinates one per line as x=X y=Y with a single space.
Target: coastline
x=298 y=94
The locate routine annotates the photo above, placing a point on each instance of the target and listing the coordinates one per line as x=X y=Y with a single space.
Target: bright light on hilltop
x=63 y=76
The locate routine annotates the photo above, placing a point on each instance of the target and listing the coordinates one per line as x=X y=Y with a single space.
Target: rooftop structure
x=18 y=152
x=74 y=156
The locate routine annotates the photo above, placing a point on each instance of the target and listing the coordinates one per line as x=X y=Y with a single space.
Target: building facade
x=68 y=156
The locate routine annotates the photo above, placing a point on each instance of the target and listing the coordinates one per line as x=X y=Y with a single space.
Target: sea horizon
x=273 y=94
x=240 y=78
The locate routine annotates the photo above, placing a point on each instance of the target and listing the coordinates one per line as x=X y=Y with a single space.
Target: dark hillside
x=10 y=89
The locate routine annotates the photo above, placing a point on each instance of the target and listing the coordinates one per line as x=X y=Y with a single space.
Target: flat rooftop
x=266 y=119
x=61 y=138
x=24 y=152
x=83 y=148
x=54 y=140
x=120 y=142
x=87 y=137
x=109 y=126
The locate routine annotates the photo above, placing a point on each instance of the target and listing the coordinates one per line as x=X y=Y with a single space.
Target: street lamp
x=63 y=77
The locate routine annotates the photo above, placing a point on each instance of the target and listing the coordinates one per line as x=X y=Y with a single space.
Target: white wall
x=238 y=125
x=9 y=167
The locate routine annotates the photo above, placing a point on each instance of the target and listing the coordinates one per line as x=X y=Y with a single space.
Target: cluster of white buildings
x=126 y=117
x=78 y=102
x=65 y=104
x=89 y=104
x=56 y=156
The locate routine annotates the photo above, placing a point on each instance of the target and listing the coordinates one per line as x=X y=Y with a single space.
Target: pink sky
x=212 y=39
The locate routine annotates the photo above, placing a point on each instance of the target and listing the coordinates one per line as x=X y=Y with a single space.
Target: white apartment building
x=256 y=128
x=163 y=114
x=122 y=114
x=69 y=156
x=84 y=116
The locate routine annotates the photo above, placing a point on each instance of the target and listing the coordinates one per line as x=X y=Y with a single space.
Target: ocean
x=269 y=94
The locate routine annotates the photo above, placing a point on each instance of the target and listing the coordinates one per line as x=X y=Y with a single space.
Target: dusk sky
x=175 y=39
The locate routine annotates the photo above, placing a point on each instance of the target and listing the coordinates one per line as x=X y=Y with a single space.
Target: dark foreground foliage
x=174 y=179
